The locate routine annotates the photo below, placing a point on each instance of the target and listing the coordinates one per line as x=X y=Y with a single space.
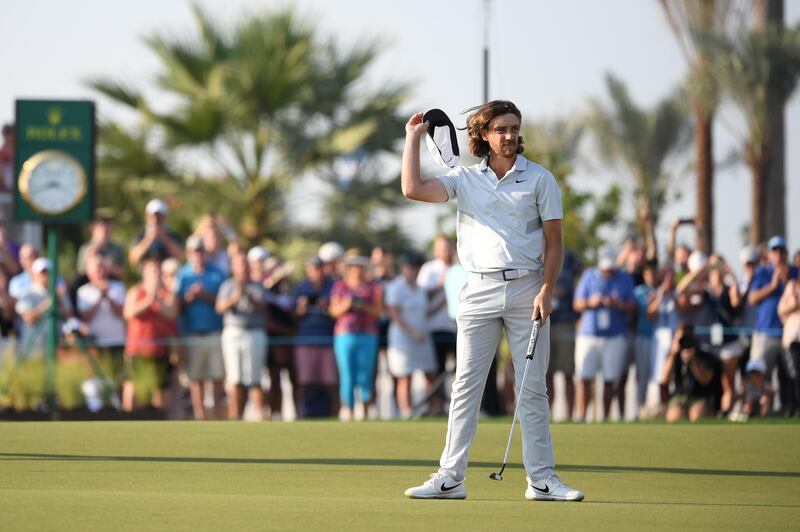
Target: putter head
x=496 y=476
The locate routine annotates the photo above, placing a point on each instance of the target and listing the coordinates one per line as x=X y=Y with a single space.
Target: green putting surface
x=336 y=476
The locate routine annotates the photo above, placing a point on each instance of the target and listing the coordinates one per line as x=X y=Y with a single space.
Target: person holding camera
x=313 y=353
x=356 y=305
x=689 y=372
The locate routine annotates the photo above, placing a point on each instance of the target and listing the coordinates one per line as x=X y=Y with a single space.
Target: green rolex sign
x=54 y=161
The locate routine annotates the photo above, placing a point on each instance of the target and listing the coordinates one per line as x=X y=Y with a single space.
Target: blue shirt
x=644 y=327
x=316 y=322
x=199 y=316
x=565 y=290
x=767 y=320
x=603 y=321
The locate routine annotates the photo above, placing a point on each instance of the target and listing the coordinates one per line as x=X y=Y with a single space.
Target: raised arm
x=431 y=191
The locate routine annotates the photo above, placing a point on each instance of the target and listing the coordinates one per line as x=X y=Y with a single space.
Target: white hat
x=441 y=139
x=749 y=254
x=194 y=243
x=156 y=206
x=41 y=264
x=606 y=258
x=330 y=251
x=257 y=253
x=696 y=261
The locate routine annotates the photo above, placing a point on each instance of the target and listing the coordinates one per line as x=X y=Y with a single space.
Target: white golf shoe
x=438 y=487
x=551 y=489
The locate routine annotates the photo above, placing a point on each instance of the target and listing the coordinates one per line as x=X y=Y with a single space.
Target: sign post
x=54 y=168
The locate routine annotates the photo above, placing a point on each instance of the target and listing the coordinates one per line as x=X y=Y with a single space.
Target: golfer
x=510 y=242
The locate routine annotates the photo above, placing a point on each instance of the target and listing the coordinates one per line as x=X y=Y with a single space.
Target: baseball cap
x=606 y=258
x=194 y=243
x=749 y=254
x=356 y=260
x=315 y=261
x=412 y=259
x=41 y=264
x=756 y=365
x=156 y=206
x=257 y=253
x=776 y=242
x=441 y=139
x=330 y=251
x=696 y=261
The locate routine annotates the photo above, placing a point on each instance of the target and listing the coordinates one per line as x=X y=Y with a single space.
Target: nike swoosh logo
x=546 y=489
x=446 y=488
x=520 y=180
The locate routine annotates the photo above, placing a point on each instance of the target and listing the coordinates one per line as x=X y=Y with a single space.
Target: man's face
x=314 y=272
x=777 y=256
x=101 y=231
x=442 y=249
x=502 y=134
x=27 y=254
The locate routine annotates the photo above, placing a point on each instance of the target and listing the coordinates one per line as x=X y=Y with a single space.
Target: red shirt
x=148 y=332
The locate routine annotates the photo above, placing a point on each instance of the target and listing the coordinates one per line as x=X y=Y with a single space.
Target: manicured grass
x=333 y=476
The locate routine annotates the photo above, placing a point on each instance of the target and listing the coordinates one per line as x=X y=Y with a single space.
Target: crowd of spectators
x=210 y=327
x=702 y=340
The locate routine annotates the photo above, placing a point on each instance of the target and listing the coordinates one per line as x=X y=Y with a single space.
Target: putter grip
x=537 y=323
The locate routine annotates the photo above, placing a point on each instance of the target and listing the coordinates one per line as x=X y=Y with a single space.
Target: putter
x=537 y=323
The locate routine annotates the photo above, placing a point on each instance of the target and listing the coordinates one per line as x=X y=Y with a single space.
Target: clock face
x=52 y=182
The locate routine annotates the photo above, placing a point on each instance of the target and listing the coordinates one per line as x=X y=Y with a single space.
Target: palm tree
x=757 y=69
x=256 y=107
x=689 y=20
x=554 y=145
x=640 y=142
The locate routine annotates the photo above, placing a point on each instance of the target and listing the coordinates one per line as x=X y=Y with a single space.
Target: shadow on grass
x=383 y=462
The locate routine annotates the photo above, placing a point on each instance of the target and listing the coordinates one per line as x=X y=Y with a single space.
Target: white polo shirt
x=499 y=223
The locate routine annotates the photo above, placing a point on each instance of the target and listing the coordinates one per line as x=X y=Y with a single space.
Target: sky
x=549 y=57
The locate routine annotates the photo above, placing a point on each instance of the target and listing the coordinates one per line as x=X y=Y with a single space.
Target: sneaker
x=438 y=487
x=551 y=489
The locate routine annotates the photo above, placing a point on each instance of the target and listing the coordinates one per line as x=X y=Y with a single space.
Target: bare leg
x=128 y=401
x=257 y=396
x=196 y=389
x=403 y=392
x=584 y=398
x=697 y=412
x=675 y=413
x=218 y=391
x=608 y=394
x=570 y=390
x=729 y=368
x=234 y=400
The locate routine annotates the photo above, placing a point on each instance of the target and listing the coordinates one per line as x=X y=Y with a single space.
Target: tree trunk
x=704 y=222
x=759 y=168
x=770 y=13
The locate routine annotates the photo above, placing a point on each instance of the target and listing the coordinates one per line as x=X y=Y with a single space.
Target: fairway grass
x=335 y=476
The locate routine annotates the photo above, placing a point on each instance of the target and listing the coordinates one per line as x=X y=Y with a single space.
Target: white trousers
x=486 y=307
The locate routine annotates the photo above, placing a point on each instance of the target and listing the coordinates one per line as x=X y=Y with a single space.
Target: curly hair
x=480 y=118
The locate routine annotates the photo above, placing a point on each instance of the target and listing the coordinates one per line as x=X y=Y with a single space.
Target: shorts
x=204 y=357
x=562 y=348
x=731 y=350
x=148 y=370
x=243 y=352
x=444 y=343
x=593 y=353
x=686 y=402
x=315 y=365
x=766 y=348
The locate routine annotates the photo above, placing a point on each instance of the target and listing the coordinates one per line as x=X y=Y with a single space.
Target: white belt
x=504 y=275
